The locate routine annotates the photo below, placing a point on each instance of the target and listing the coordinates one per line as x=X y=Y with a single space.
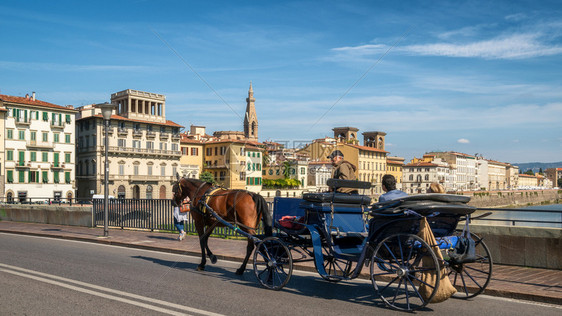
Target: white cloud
x=463 y=141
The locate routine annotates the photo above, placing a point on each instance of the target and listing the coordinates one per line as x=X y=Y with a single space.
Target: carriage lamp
x=106 y=110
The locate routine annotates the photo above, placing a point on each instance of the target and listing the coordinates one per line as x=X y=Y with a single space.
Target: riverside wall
x=513 y=198
x=48 y=214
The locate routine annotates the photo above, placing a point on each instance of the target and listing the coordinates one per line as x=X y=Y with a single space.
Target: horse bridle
x=192 y=207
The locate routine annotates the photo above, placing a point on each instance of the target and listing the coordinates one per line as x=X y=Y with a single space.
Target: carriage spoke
x=475 y=270
x=396 y=291
x=393 y=280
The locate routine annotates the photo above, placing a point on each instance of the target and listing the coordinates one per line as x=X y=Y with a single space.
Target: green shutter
x=45 y=156
x=45 y=116
x=29 y=176
x=68 y=118
x=67 y=177
x=45 y=177
x=60 y=119
x=21 y=161
x=67 y=158
x=21 y=177
x=10 y=174
x=56 y=159
x=33 y=156
x=10 y=155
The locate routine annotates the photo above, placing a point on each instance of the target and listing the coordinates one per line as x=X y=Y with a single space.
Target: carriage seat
x=331 y=197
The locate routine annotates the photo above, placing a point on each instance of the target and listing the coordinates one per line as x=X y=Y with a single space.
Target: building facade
x=143 y=152
x=39 y=149
x=463 y=168
x=497 y=175
x=395 y=167
x=191 y=161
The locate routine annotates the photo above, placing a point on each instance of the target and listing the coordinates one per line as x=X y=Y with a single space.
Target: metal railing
x=526 y=216
x=150 y=214
x=46 y=200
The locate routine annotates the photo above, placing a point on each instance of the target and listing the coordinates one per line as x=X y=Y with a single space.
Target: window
x=56 y=137
x=67 y=138
x=21 y=176
x=149 y=145
x=67 y=157
x=121 y=169
x=21 y=135
x=163 y=171
x=10 y=176
x=194 y=151
x=10 y=134
x=56 y=158
x=45 y=116
x=67 y=120
x=136 y=170
x=122 y=142
x=67 y=177
x=175 y=147
x=185 y=151
x=136 y=143
x=33 y=156
x=10 y=155
x=45 y=177
x=149 y=170
x=55 y=176
x=33 y=176
x=45 y=136
x=21 y=157
x=45 y=156
x=163 y=146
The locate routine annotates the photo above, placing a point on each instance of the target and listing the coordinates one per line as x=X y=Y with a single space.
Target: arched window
x=136 y=192
x=149 y=192
x=163 y=192
x=121 y=192
x=426 y=177
x=411 y=177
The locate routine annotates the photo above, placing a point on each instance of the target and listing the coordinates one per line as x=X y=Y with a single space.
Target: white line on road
x=48 y=278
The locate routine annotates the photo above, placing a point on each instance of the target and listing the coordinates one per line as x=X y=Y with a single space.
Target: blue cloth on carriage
x=392 y=195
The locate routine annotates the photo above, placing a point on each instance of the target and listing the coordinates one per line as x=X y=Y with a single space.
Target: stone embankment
x=514 y=198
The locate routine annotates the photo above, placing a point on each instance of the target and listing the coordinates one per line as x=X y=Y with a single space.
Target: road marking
x=82 y=287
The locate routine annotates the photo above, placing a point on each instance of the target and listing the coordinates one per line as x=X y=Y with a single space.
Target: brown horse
x=239 y=207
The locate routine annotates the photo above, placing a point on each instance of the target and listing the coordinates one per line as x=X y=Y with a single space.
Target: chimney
x=27 y=95
x=33 y=96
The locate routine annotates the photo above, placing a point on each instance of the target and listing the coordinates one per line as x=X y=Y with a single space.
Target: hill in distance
x=536 y=166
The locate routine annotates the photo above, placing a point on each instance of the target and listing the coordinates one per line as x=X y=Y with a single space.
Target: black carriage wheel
x=470 y=279
x=397 y=265
x=336 y=269
x=273 y=263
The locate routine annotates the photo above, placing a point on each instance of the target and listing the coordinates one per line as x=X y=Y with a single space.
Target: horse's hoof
x=240 y=271
x=201 y=268
x=213 y=259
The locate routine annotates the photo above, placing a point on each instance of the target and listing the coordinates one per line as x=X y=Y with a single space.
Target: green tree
x=530 y=172
x=286 y=169
x=207 y=177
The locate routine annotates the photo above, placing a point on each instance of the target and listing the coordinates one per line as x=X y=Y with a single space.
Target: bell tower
x=250 y=117
x=374 y=139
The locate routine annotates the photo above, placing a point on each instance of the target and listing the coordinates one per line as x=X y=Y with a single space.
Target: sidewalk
x=541 y=285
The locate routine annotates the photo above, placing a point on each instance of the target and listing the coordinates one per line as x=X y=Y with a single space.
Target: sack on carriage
x=292 y=222
x=445 y=289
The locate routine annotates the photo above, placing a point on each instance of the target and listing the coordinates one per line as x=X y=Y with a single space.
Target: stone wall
x=48 y=214
x=513 y=198
x=522 y=246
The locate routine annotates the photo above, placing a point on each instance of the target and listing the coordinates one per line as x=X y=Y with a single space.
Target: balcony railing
x=137 y=133
x=56 y=124
x=36 y=144
x=150 y=134
x=133 y=150
x=122 y=131
x=22 y=121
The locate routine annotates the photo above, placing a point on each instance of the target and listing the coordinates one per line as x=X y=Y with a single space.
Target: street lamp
x=106 y=110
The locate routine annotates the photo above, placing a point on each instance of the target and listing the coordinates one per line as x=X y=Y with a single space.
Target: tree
x=530 y=172
x=207 y=177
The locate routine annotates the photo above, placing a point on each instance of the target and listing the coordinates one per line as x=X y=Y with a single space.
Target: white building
x=482 y=178
x=39 y=147
x=253 y=168
x=318 y=174
x=464 y=169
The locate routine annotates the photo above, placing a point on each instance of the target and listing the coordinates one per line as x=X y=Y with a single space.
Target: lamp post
x=106 y=109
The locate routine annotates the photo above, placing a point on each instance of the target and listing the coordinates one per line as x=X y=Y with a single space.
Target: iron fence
x=150 y=214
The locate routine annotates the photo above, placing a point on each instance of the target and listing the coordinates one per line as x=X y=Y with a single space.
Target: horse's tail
x=261 y=207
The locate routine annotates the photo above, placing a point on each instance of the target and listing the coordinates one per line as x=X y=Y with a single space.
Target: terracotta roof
x=30 y=101
x=524 y=175
x=121 y=118
x=421 y=164
x=368 y=148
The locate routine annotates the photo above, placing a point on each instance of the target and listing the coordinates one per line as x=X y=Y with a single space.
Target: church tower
x=251 y=118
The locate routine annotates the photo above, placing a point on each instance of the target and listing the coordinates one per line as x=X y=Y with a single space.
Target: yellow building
x=395 y=167
x=528 y=181
x=226 y=160
x=191 y=160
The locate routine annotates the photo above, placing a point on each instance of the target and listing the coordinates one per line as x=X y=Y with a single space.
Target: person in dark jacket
x=343 y=170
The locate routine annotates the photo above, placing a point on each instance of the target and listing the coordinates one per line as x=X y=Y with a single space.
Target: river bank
x=519 y=198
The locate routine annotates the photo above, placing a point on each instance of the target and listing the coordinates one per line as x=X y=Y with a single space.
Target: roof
x=30 y=101
x=421 y=164
x=122 y=118
x=368 y=148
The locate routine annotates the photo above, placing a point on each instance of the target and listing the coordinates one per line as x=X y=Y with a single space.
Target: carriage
x=342 y=235
x=411 y=247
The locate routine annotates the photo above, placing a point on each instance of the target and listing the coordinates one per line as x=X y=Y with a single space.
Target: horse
x=239 y=207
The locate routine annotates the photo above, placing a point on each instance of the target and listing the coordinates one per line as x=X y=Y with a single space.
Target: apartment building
x=419 y=174
x=463 y=167
x=497 y=175
x=39 y=149
x=144 y=148
x=191 y=161
x=318 y=174
x=254 y=158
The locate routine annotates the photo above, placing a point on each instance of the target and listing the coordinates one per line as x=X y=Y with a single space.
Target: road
x=44 y=276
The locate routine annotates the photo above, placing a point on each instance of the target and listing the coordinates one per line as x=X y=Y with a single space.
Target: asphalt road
x=43 y=276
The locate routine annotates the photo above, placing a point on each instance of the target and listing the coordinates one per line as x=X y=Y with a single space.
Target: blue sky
x=471 y=76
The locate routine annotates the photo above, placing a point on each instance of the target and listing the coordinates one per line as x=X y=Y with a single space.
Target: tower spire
x=250 y=117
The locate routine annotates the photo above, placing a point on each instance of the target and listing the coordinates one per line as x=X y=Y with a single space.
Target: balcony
x=137 y=133
x=176 y=136
x=57 y=165
x=150 y=134
x=21 y=121
x=109 y=131
x=56 y=124
x=140 y=178
x=142 y=151
x=23 y=165
x=122 y=132
x=164 y=135
x=36 y=144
